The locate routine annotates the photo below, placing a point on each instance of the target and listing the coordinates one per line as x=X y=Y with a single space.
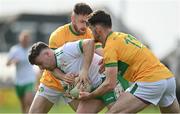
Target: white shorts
x=51 y=94
x=161 y=93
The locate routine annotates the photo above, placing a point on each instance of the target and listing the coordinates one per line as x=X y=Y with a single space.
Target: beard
x=97 y=37
x=79 y=31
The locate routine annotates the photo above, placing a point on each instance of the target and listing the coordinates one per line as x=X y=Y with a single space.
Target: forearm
x=58 y=74
x=88 y=53
x=109 y=84
x=102 y=89
x=68 y=78
x=12 y=61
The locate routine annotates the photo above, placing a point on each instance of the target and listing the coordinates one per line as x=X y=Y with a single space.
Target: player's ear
x=73 y=18
x=46 y=53
x=98 y=29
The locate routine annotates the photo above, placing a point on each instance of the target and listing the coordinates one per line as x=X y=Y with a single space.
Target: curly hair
x=35 y=50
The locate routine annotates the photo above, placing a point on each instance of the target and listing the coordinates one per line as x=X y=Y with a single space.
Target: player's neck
x=74 y=29
x=105 y=35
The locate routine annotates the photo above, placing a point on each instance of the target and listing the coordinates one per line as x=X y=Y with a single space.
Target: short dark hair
x=35 y=50
x=82 y=9
x=100 y=17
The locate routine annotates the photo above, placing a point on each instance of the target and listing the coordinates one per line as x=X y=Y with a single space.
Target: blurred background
x=156 y=23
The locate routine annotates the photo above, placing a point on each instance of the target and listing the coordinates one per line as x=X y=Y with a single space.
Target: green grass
x=10 y=104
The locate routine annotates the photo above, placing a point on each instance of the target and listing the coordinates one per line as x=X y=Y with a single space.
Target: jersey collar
x=74 y=32
x=109 y=34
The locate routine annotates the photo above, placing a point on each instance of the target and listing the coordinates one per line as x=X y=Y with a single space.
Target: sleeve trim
x=98 y=46
x=80 y=46
x=111 y=64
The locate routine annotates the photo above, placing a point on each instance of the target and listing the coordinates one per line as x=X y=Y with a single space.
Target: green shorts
x=22 y=90
x=112 y=96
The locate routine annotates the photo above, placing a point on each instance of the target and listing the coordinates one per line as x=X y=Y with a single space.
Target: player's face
x=44 y=60
x=24 y=40
x=97 y=36
x=79 y=23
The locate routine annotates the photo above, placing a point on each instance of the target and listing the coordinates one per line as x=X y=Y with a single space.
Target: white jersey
x=69 y=59
x=24 y=70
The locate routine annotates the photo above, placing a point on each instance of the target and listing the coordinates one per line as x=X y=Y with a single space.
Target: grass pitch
x=9 y=104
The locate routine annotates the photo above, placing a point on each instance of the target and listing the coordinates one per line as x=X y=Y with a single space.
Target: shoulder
x=116 y=38
x=59 y=30
x=57 y=37
x=15 y=48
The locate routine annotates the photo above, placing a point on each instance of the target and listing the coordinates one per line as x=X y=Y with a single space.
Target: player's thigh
x=139 y=95
x=44 y=99
x=128 y=103
x=28 y=98
x=173 y=108
x=109 y=98
x=74 y=104
x=169 y=94
x=90 y=106
x=168 y=102
x=29 y=93
x=51 y=94
x=40 y=104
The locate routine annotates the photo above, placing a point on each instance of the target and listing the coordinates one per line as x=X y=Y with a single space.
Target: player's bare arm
x=88 y=52
x=108 y=85
x=12 y=61
x=68 y=78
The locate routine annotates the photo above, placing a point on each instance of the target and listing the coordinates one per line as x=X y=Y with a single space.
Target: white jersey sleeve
x=73 y=48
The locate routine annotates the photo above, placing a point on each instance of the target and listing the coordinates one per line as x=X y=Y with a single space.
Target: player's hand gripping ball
x=83 y=87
